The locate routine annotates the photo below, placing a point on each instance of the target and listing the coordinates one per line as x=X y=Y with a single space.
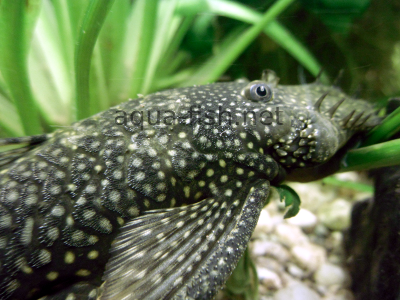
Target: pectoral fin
x=186 y=252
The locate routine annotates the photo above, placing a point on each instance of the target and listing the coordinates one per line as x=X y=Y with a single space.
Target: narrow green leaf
x=192 y=7
x=291 y=199
x=274 y=30
x=47 y=95
x=111 y=40
x=3 y=87
x=243 y=283
x=63 y=19
x=175 y=79
x=87 y=36
x=371 y=157
x=173 y=58
x=98 y=82
x=48 y=47
x=160 y=42
x=9 y=119
x=389 y=126
x=218 y=64
x=287 y=41
x=356 y=186
x=146 y=12
x=77 y=11
x=17 y=19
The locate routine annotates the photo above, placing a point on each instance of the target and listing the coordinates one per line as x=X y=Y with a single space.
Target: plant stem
x=17 y=21
x=87 y=36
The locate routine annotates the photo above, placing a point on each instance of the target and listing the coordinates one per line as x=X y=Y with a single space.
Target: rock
x=335 y=242
x=269 y=279
x=313 y=194
x=304 y=219
x=269 y=263
x=335 y=215
x=329 y=274
x=296 y=292
x=295 y=271
x=342 y=294
x=348 y=176
x=321 y=231
x=265 y=225
x=275 y=250
x=336 y=259
x=290 y=235
x=288 y=279
x=309 y=256
x=263 y=297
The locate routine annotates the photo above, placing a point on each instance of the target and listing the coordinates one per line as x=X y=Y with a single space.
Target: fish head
x=305 y=125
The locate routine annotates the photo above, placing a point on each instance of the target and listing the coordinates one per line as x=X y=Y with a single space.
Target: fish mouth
x=313 y=140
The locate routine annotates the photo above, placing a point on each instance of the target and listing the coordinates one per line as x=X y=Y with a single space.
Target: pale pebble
x=342 y=294
x=309 y=256
x=265 y=224
x=269 y=279
x=304 y=219
x=290 y=235
x=335 y=242
x=269 y=248
x=313 y=194
x=329 y=274
x=335 y=215
x=296 y=292
x=269 y=263
x=295 y=271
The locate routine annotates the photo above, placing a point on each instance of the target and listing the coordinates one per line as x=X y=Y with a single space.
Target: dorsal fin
x=13 y=148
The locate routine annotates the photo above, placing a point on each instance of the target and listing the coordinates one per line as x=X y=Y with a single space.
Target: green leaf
x=218 y=64
x=17 y=22
x=87 y=36
x=160 y=42
x=143 y=24
x=9 y=118
x=389 y=126
x=243 y=283
x=98 y=82
x=337 y=15
x=371 y=157
x=173 y=58
x=291 y=199
x=356 y=186
x=50 y=75
x=274 y=30
x=66 y=32
x=111 y=41
x=44 y=84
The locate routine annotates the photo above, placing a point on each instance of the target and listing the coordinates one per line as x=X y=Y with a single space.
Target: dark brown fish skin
x=63 y=202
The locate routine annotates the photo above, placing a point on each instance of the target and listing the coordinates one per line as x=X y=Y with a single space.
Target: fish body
x=157 y=197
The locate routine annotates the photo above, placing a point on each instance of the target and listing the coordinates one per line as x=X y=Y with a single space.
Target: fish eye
x=258 y=91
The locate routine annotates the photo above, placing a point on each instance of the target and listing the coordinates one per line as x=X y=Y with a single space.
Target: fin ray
x=183 y=247
x=23 y=145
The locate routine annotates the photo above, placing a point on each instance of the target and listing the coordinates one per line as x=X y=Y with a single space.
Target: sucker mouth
x=297 y=148
x=296 y=154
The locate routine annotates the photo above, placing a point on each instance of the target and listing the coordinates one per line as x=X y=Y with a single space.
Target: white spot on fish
x=69 y=257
